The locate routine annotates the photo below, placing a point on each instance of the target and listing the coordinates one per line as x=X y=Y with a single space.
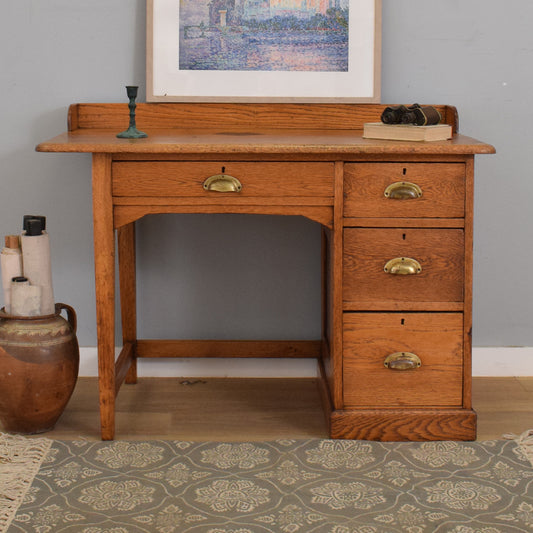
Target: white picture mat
x=166 y=82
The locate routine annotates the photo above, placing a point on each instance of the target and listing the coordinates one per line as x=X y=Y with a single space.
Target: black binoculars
x=415 y=114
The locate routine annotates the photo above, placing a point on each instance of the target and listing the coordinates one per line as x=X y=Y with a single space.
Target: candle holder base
x=132 y=133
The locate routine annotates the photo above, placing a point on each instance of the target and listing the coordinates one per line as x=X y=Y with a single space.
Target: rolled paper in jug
x=36 y=261
x=11 y=266
x=25 y=298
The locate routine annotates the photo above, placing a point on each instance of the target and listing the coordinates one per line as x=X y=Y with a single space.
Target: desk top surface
x=244 y=129
x=267 y=142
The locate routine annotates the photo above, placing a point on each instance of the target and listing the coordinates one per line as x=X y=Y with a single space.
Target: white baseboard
x=490 y=361
x=502 y=361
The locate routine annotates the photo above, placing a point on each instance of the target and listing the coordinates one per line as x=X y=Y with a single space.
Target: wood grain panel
x=440 y=252
x=128 y=293
x=104 y=267
x=442 y=184
x=437 y=338
x=401 y=425
x=125 y=214
x=220 y=348
x=404 y=222
x=289 y=144
x=231 y=116
x=178 y=179
x=469 y=274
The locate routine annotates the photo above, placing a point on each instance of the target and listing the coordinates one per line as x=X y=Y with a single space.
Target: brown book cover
x=407 y=132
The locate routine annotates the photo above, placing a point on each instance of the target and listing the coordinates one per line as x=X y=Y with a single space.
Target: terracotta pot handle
x=71 y=315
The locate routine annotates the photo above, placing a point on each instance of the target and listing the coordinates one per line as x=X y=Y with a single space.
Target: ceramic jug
x=39 y=362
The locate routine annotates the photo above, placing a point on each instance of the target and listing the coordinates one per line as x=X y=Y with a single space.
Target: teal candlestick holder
x=132 y=132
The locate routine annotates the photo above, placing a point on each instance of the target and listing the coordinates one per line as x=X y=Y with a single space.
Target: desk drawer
x=435 y=338
x=438 y=253
x=186 y=179
x=441 y=187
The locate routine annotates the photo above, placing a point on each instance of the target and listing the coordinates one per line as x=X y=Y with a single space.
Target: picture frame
x=263 y=51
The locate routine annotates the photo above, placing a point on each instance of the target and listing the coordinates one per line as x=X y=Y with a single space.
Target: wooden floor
x=256 y=409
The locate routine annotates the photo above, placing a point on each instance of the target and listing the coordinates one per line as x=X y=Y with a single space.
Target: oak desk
x=395 y=352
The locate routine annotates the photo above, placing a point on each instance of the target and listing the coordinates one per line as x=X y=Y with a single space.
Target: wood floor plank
x=236 y=409
x=526 y=383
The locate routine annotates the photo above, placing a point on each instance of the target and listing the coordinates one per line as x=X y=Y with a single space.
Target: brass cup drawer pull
x=222 y=183
x=403 y=266
x=403 y=190
x=402 y=361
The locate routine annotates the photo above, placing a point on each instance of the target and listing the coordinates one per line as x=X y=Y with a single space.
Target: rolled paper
x=36 y=262
x=11 y=266
x=25 y=298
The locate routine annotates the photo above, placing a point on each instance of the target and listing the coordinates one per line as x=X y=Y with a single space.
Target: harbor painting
x=264 y=35
x=263 y=50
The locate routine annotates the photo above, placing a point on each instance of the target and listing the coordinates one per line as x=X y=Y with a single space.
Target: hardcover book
x=407 y=132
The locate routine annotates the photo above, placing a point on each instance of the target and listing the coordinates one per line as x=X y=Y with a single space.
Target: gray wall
x=237 y=276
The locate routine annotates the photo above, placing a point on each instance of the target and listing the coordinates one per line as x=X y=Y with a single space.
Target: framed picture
x=263 y=50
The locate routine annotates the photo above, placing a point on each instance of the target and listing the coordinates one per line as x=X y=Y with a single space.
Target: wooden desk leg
x=104 y=264
x=128 y=301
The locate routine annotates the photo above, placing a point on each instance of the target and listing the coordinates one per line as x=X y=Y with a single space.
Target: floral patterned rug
x=287 y=486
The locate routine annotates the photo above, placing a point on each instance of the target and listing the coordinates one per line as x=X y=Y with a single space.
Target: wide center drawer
x=428 y=345
x=387 y=268
x=255 y=179
x=435 y=190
